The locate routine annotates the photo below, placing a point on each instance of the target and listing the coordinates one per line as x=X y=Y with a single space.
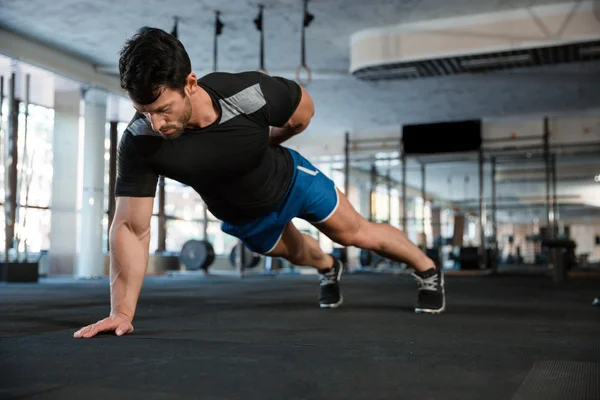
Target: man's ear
x=191 y=84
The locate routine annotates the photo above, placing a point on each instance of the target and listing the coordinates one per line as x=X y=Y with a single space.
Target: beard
x=184 y=119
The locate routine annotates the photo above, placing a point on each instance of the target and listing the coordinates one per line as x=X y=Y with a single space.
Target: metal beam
x=481 y=212
x=522 y=200
x=374 y=140
x=347 y=164
x=494 y=210
x=12 y=157
x=112 y=174
x=508 y=181
x=389 y=193
x=205 y=218
x=404 y=192
x=554 y=197
x=513 y=139
x=562 y=146
x=423 y=196
x=374 y=176
x=162 y=220
x=57 y=61
x=550 y=218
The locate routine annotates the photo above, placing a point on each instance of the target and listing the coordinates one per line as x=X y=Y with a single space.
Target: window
x=395 y=217
x=381 y=204
x=34 y=179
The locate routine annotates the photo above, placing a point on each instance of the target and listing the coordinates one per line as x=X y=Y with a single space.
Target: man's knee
x=296 y=254
x=363 y=241
x=294 y=258
x=364 y=238
x=353 y=237
x=346 y=239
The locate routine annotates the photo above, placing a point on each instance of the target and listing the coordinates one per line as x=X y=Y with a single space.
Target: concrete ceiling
x=96 y=30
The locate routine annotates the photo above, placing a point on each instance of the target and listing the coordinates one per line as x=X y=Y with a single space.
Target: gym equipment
x=468 y=258
x=562 y=251
x=366 y=258
x=307 y=19
x=258 y=21
x=370 y=259
x=197 y=254
x=251 y=259
x=219 y=25
x=434 y=255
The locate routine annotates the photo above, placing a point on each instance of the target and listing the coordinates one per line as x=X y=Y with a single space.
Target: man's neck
x=203 y=110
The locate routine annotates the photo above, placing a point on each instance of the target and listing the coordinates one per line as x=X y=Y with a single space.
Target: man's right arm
x=129 y=241
x=129 y=248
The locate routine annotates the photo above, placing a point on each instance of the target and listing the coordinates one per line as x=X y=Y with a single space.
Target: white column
x=364 y=196
x=90 y=261
x=65 y=146
x=436 y=222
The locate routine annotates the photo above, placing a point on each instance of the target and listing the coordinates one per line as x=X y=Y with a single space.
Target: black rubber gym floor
x=265 y=338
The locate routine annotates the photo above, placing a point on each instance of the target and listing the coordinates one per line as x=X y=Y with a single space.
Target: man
x=221 y=135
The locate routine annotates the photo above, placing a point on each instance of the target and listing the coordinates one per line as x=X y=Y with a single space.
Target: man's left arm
x=289 y=108
x=297 y=123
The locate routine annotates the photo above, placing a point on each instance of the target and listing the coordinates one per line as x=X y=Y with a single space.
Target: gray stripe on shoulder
x=142 y=127
x=247 y=101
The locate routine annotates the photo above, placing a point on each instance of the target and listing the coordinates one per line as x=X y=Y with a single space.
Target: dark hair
x=150 y=60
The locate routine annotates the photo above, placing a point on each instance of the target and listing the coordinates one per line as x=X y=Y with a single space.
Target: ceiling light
x=389 y=72
x=489 y=61
x=588 y=51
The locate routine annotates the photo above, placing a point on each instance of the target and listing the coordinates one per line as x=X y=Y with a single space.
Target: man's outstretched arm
x=129 y=244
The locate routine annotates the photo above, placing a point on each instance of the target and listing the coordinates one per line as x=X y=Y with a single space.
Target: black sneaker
x=596 y=302
x=330 y=296
x=432 y=298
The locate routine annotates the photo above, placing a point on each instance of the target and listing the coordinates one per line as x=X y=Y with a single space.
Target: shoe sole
x=333 y=305
x=431 y=311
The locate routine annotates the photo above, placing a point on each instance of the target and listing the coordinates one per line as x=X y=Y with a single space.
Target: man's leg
x=348 y=228
x=302 y=249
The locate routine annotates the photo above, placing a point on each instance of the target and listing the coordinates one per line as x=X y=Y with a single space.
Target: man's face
x=169 y=114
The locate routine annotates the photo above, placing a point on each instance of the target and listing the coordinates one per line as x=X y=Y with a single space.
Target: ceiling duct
x=531 y=37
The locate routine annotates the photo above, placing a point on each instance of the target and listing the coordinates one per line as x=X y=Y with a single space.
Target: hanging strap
x=175 y=31
x=218 y=30
x=307 y=19
x=258 y=21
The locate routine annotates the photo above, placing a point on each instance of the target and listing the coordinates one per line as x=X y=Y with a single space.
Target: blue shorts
x=311 y=196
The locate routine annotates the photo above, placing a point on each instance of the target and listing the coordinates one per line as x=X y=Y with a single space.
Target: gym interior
x=471 y=126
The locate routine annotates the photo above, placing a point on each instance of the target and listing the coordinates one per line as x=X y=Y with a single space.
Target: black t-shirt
x=229 y=163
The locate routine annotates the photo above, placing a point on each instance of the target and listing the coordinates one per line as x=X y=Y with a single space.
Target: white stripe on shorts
x=308 y=171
